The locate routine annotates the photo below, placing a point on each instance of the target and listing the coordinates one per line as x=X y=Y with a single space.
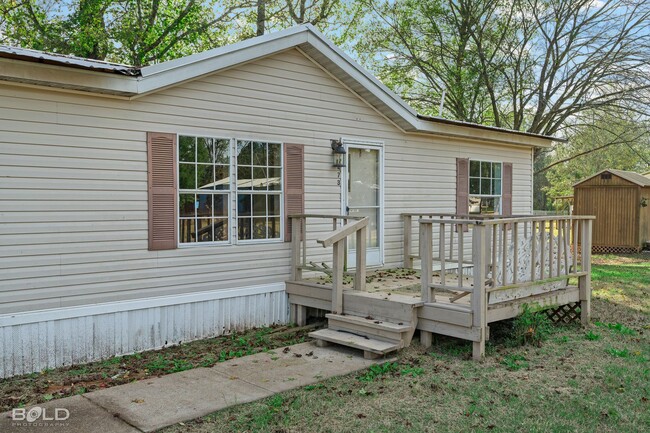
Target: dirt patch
x=77 y=379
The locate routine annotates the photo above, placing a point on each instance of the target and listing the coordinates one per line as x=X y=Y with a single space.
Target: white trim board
x=134 y=304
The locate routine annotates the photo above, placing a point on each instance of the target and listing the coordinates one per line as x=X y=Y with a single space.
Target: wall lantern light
x=338 y=154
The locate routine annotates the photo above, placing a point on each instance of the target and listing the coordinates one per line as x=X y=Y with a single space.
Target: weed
x=617 y=328
x=623 y=353
x=378 y=370
x=592 y=336
x=412 y=371
x=313 y=387
x=531 y=327
x=514 y=362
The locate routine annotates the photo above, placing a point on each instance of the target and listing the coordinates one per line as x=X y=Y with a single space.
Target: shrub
x=531 y=327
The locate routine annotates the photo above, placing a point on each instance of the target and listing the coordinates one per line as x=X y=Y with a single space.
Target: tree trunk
x=261 y=16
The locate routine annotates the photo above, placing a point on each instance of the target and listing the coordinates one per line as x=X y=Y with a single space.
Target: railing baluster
x=451 y=242
x=575 y=245
x=495 y=250
x=303 y=225
x=560 y=245
x=567 y=246
x=408 y=261
x=504 y=253
x=542 y=249
x=296 y=241
x=550 y=248
x=461 y=255
x=515 y=255
x=533 y=255
x=441 y=253
x=337 y=277
x=360 y=271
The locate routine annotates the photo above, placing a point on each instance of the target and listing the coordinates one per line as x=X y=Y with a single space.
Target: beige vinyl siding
x=73 y=180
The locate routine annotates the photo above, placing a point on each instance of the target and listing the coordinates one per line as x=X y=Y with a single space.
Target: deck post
x=479 y=296
x=408 y=261
x=360 y=273
x=426 y=273
x=337 y=276
x=296 y=241
x=584 y=282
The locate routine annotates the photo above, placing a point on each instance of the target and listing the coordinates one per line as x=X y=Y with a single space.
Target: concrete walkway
x=151 y=404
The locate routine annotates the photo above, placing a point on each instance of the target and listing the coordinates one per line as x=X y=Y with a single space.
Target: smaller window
x=606 y=176
x=485 y=180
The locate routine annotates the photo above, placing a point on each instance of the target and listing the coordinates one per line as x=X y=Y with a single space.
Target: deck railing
x=343 y=226
x=509 y=258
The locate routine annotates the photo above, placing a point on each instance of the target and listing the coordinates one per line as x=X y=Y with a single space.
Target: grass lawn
x=594 y=379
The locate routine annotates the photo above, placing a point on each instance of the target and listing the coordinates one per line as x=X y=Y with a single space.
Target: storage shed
x=619 y=200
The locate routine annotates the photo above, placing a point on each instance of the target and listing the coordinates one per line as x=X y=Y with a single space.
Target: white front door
x=363 y=196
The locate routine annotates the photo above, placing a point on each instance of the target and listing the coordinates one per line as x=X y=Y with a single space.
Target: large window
x=208 y=178
x=485 y=187
x=259 y=189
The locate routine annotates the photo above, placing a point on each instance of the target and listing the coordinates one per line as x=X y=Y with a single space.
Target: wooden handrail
x=343 y=232
x=323 y=216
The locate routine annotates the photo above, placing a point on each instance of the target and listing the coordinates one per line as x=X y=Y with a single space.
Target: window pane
x=244 y=228
x=259 y=228
x=205 y=176
x=274 y=204
x=243 y=204
x=474 y=186
x=486 y=186
x=259 y=153
x=244 y=151
x=260 y=179
x=220 y=229
x=275 y=154
x=204 y=205
x=186 y=176
x=372 y=229
x=275 y=179
x=222 y=177
x=273 y=228
x=259 y=205
x=222 y=152
x=204 y=230
x=186 y=205
x=363 y=185
x=475 y=168
x=221 y=205
x=244 y=180
x=489 y=205
x=485 y=169
x=496 y=187
x=186 y=148
x=204 y=150
x=186 y=230
x=496 y=170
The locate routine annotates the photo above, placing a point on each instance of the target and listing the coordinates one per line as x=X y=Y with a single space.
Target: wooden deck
x=503 y=268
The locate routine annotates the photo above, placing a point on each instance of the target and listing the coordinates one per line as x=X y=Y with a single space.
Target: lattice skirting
x=603 y=249
x=568 y=313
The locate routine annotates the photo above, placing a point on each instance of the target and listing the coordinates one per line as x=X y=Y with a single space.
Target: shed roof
x=630 y=176
x=123 y=80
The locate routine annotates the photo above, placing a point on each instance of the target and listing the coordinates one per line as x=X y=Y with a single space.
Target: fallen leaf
x=138 y=400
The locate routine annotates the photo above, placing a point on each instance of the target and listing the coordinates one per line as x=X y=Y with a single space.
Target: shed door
x=615 y=211
x=363 y=196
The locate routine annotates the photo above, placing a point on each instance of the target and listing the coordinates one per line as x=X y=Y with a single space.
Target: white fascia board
x=495 y=136
x=18 y=71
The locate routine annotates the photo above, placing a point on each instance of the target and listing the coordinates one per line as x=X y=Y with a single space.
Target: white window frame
x=231 y=192
x=235 y=223
x=469 y=182
x=227 y=192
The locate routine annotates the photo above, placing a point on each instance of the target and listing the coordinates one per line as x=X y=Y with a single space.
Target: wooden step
x=370 y=346
x=372 y=328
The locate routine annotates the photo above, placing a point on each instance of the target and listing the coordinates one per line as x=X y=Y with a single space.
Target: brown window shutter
x=506 y=198
x=161 y=156
x=294 y=184
x=462 y=187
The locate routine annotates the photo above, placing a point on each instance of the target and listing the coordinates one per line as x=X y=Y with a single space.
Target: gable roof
x=80 y=74
x=630 y=176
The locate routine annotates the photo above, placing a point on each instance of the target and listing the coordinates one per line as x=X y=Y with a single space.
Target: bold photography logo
x=40 y=415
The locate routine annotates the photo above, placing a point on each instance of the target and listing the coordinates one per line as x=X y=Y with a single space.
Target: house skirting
x=38 y=340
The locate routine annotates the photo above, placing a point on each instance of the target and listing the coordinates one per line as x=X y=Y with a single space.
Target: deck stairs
x=377 y=323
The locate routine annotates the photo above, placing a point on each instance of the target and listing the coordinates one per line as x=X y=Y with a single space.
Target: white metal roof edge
x=159 y=76
x=615 y=172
